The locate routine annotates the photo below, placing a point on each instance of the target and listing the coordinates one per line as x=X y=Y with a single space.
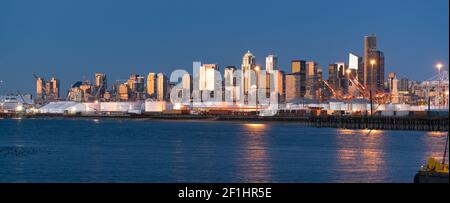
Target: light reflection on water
x=255 y=165
x=162 y=151
x=435 y=144
x=359 y=153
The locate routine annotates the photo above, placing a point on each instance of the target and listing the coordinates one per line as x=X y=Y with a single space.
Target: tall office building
x=299 y=67
x=248 y=64
x=356 y=63
x=230 y=83
x=333 y=76
x=338 y=77
x=132 y=80
x=292 y=87
x=271 y=63
x=279 y=85
x=140 y=84
x=100 y=84
x=136 y=84
x=373 y=73
x=124 y=92
x=311 y=81
x=187 y=83
x=404 y=85
x=208 y=77
x=151 y=85
x=162 y=87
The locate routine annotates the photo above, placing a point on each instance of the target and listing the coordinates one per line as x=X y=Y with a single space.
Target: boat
x=434 y=171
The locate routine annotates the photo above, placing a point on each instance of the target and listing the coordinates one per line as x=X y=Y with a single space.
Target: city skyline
x=70 y=62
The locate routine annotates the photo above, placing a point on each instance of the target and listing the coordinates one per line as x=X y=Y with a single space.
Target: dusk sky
x=72 y=40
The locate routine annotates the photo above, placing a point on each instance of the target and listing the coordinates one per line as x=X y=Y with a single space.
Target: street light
x=439 y=67
x=372 y=62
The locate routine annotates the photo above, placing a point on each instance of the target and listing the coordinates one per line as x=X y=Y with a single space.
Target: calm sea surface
x=107 y=150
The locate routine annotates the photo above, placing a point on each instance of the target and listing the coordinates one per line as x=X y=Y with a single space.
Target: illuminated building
x=230 y=83
x=162 y=86
x=278 y=84
x=136 y=84
x=299 y=67
x=100 y=84
x=311 y=81
x=356 y=63
x=271 y=63
x=151 y=85
x=371 y=54
x=208 y=78
x=338 y=77
x=124 y=92
x=187 y=86
x=392 y=84
x=292 y=87
x=248 y=64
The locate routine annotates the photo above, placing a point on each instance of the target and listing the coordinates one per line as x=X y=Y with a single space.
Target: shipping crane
x=335 y=95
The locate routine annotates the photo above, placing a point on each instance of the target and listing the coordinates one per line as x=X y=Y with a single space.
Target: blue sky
x=73 y=39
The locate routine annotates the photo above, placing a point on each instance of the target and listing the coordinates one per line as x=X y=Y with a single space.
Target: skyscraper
x=187 y=83
x=373 y=65
x=162 y=87
x=356 y=63
x=248 y=64
x=207 y=77
x=124 y=92
x=230 y=83
x=292 y=87
x=299 y=67
x=151 y=85
x=311 y=81
x=140 y=84
x=333 y=76
x=100 y=84
x=132 y=80
x=279 y=85
x=271 y=63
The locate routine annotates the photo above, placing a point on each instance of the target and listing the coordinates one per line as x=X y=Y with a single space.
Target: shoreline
x=345 y=122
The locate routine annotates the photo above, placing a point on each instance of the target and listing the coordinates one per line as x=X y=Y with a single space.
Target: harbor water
x=114 y=150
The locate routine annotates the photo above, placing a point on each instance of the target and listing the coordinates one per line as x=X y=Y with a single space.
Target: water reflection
x=254 y=164
x=436 y=134
x=359 y=155
x=435 y=145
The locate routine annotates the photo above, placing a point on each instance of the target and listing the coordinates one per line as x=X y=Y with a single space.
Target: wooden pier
x=411 y=123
